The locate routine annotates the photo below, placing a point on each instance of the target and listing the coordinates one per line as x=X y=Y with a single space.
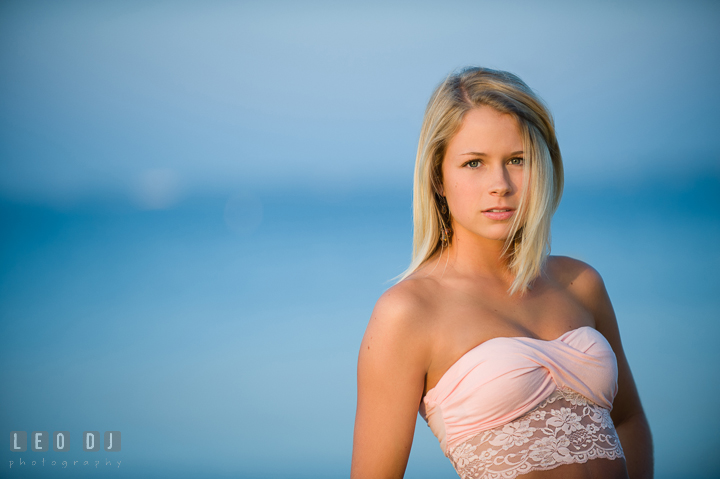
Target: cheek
x=463 y=198
x=515 y=178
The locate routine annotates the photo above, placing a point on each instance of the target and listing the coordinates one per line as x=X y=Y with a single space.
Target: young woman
x=513 y=357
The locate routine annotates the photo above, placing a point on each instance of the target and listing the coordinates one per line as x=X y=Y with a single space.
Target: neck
x=473 y=256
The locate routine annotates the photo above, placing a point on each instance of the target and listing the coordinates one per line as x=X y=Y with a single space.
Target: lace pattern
x=565 y=428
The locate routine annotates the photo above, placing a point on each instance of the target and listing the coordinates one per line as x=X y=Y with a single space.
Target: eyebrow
x=475 y=153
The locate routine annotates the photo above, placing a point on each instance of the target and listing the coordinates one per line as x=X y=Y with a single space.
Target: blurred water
x=223 y=352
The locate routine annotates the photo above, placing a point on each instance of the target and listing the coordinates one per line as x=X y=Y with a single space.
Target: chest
x=467 y=320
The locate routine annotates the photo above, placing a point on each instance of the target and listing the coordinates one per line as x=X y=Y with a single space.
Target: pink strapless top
x=504 y=378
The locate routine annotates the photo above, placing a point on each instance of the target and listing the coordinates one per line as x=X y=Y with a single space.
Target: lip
x=499 y=216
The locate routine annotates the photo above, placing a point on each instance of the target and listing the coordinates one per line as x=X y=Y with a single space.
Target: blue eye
x=473 y=163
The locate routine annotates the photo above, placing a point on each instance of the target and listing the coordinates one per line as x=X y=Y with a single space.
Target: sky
x=113 y=97
x=200 y=203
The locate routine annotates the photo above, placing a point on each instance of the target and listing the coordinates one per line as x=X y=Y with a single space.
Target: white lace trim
x=565 y=428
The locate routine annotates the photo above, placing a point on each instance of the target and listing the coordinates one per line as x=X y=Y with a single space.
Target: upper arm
x=392 y=364
x=589 y=287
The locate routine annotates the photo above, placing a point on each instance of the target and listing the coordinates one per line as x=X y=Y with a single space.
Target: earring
x=445 y=230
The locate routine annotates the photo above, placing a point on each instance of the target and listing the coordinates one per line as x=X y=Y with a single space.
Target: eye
x=517 y=161
x=473 y=163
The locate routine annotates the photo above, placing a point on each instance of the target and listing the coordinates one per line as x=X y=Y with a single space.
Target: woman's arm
x=627 y=414
x=392 y=364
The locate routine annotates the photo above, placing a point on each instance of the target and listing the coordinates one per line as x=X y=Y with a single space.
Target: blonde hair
x=528 y=241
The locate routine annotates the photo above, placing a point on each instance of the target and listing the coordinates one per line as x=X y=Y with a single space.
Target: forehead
x=486 y=130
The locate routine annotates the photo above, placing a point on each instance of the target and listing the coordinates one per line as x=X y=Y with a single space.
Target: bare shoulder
x=392 y=364
x=401 y=316
x=571 y=272
x=587 y=286
x=408 y=299
x=580 y=279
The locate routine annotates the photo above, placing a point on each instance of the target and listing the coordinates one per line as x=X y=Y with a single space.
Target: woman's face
x=483 y=171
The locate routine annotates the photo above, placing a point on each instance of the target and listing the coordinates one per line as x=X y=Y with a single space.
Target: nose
x=500 y=181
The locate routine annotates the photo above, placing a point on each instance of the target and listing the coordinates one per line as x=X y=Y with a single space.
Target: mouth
x=499 y=214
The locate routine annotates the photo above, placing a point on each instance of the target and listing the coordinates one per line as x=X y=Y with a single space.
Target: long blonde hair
x=528 y=241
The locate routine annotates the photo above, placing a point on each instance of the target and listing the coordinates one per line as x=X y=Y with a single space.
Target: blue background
x=200 y=203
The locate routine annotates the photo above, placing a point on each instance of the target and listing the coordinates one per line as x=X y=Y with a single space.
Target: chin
x=497 y=232
x=496 y=235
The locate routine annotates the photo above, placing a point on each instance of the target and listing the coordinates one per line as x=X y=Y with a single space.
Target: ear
x=437 y=185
